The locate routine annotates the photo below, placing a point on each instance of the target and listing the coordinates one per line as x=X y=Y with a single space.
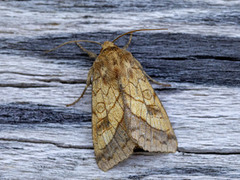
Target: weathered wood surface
x=42 y=139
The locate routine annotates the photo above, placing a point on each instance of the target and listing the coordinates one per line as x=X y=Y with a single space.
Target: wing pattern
x=111 y=141
x=126 y=111
x=146 y=119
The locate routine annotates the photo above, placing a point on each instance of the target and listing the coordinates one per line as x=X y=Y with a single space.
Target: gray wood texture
x=40 y=138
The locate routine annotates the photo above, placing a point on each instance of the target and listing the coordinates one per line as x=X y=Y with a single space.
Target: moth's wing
x=111 y=141
x=146 y=119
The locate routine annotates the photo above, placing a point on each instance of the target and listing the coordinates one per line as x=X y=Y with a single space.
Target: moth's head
x=107 y=44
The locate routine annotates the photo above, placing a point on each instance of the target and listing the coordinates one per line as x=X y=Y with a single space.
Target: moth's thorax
x=113 y=63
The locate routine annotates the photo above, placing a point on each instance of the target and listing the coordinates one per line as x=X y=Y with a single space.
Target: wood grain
x=42 y=139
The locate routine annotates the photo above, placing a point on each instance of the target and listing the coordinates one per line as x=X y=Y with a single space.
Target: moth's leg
x=88 y=83
x=129 y=41
x=156 y=82
x=91 y=54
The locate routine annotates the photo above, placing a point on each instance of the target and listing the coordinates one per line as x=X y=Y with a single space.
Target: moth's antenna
x=69 y=42
x=130 y=32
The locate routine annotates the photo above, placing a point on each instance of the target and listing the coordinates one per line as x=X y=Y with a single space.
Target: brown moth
x=126 y=112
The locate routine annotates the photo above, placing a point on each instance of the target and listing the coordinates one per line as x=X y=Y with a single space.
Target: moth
x=126 y=112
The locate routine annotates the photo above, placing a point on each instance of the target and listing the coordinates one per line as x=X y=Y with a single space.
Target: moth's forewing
x=110 y=138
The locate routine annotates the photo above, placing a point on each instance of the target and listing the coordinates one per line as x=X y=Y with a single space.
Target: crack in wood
x=37 y=141
x=62 y=145
x=219 y=152
x=25 y=85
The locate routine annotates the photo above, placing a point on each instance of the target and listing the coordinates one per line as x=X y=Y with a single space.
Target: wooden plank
x=42 y=139
x=64 y=151
x=204 y=116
